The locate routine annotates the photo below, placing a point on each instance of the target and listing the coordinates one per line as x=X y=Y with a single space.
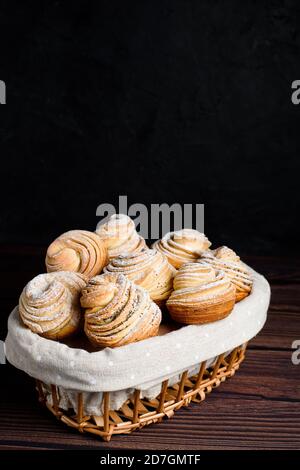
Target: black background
x=163 y=101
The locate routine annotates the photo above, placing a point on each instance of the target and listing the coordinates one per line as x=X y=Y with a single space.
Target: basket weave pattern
x=136 y=412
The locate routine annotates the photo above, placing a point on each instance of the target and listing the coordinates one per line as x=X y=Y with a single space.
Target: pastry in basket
x=182 y=246
x=79 y=251
x=225 y=253
x=120 y=236
x=117 y=311
x=228 y=261
x=201 y=294
x=50 y=304
x=147 y=268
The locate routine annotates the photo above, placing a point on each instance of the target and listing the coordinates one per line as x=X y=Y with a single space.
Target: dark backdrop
x=163 y=101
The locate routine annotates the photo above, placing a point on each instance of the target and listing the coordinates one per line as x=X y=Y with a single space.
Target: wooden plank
x=216 y=423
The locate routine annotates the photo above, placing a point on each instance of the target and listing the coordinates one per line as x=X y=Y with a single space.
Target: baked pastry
x=201 y=295
x=117 y=311
x=147 y=268
x=120 y=236
x=50 y=304
x=223 y=252
x=228 y=261
x=79 y=251
x=193 y=274
x=182 y=246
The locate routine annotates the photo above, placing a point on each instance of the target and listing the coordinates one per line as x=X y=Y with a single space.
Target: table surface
x=259 y=408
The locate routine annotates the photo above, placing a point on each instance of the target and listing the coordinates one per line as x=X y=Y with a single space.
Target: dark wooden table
x=257 y=409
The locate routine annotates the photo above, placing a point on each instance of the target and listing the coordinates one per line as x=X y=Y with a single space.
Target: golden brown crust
x=50 y=304
x=149 y=269
x=117 y=311
x=226 y=260
x=78 y=251
x=120 y=236
x=202 y=295
x=182 y=246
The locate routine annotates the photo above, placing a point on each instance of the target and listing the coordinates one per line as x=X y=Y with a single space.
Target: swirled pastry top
x=234 y=269
x=117 y=311
x=147 y=268
x=79 y=251
x=120 y=236
x=211 y=288
x=225 y=253
x=50 y=303
x=193 y=274
x=200 y=295
x=182 y=246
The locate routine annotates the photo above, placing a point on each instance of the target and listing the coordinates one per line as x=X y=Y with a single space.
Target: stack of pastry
x=120 y=236
x=50 y=304
x=117 y=311
x=147 y=268
x=201 y=294
x=197 y=284
x=226 y=260
x=182 y=246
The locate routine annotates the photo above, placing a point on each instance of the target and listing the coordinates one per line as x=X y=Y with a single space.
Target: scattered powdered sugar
x=37 y=287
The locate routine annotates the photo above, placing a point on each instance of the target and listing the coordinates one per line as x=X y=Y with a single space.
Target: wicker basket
x=136 y=412
x=107 y=399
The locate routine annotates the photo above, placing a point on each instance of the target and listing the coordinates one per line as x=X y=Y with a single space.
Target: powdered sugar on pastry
x=77 y=250
x=147 y=268
x=228 y=262
x=120 y=236
x=193 y=274
x=49 y=304
x=201 y=294
x=225 y=253
x=182 y=246
x=117 y=311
